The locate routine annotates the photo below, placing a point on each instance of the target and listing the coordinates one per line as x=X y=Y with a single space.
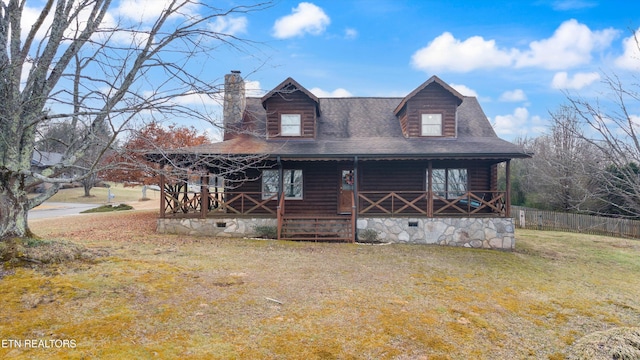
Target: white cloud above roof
x=513 y=96
x=571 y=45
x=464 y=90
x=306 y=18
x=253 y=88
x=339 y=92
x=448 y=53
x=630 y=59
x=519 y=123
x=562 y=80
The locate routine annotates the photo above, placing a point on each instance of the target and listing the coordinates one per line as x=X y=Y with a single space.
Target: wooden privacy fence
x=587 y=224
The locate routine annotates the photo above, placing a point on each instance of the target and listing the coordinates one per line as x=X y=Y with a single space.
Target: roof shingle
x=368 y=127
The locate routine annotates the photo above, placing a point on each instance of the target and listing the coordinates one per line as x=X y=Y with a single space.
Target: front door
x=346 y=191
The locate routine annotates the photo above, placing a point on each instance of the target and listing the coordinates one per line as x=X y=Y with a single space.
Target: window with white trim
x=290 y=125
x=269 y=183
x=431 y=125
x=449 y=183
x=291 y=183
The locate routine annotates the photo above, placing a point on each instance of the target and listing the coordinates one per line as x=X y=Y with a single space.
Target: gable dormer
x=429 y=110
x=292 y=111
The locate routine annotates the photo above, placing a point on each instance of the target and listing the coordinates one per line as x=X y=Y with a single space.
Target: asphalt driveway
x=58 y=209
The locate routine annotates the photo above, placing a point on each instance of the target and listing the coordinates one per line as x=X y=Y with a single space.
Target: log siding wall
x=321 y=180
x=295 y=102
x=434 y=99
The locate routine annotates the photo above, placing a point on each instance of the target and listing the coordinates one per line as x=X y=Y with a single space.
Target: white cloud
x=630 y=59
x=253 y=88
x=635 y=120
x=229 y=25
x=306 y=18
x=448 y=53
x=149 y=10
x=570 y=45
x=513 y=96
x=29 y=17
x=350 y=33
x=561 y=80
x=464 y=90
x=339 y=92
x=517 y=124
x=194 y=98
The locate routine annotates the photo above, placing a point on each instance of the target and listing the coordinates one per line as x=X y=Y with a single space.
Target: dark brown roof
x=368 y=128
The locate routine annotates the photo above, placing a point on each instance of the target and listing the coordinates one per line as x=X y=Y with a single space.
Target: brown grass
x=167 y=296
x=616 y=343
x=99 y=195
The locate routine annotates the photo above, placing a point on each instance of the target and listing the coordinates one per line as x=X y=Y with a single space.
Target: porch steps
x=315 y=228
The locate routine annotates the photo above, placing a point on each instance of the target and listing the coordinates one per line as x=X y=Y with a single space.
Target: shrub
x=368 y=236
x=108 y=208
x=266 y=231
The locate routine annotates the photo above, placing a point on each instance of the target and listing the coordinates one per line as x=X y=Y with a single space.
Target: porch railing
x=475 y=203
x=177 y=202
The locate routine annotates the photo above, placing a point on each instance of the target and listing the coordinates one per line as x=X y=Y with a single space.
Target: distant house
x=418 y=169
x=43 y=159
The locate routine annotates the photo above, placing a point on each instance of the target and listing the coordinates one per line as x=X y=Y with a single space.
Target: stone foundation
x=487 y=233
x=222 y=227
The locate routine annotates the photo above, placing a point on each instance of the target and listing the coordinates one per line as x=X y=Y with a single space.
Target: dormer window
x=431 y=125
x=290 y=125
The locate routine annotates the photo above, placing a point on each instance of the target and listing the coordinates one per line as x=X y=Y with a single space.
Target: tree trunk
x=87 y=185
x=13 y=207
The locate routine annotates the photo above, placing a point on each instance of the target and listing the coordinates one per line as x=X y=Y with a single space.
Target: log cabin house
x=418 y=169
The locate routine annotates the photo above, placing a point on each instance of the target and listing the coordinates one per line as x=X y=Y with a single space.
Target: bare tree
x=63 y=138
x=560 y=172
x=613 y=130
x=81 y=60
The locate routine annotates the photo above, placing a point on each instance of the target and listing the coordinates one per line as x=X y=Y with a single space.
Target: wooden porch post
x=163 y=200
x=507 y=210
x=204 y=195
x=280 y=179
x=280 y=208
x=430 y=189
x=354 y=206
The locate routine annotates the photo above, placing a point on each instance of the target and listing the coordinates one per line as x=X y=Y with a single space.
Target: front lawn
x=164 y=296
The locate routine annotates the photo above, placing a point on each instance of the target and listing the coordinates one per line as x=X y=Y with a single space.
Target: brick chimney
x=234 y=104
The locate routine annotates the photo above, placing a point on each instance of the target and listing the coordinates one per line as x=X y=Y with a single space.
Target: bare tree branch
x=76 y=65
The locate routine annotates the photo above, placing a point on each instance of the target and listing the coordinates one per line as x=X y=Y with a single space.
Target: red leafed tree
x=129 y=165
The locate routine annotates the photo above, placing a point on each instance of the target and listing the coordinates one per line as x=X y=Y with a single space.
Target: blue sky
x=517 y=57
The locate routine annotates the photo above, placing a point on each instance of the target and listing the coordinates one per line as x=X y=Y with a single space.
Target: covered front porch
x=323 y=200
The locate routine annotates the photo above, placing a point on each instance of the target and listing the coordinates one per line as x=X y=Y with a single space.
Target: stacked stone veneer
x=487 y=233
x=223 y=227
